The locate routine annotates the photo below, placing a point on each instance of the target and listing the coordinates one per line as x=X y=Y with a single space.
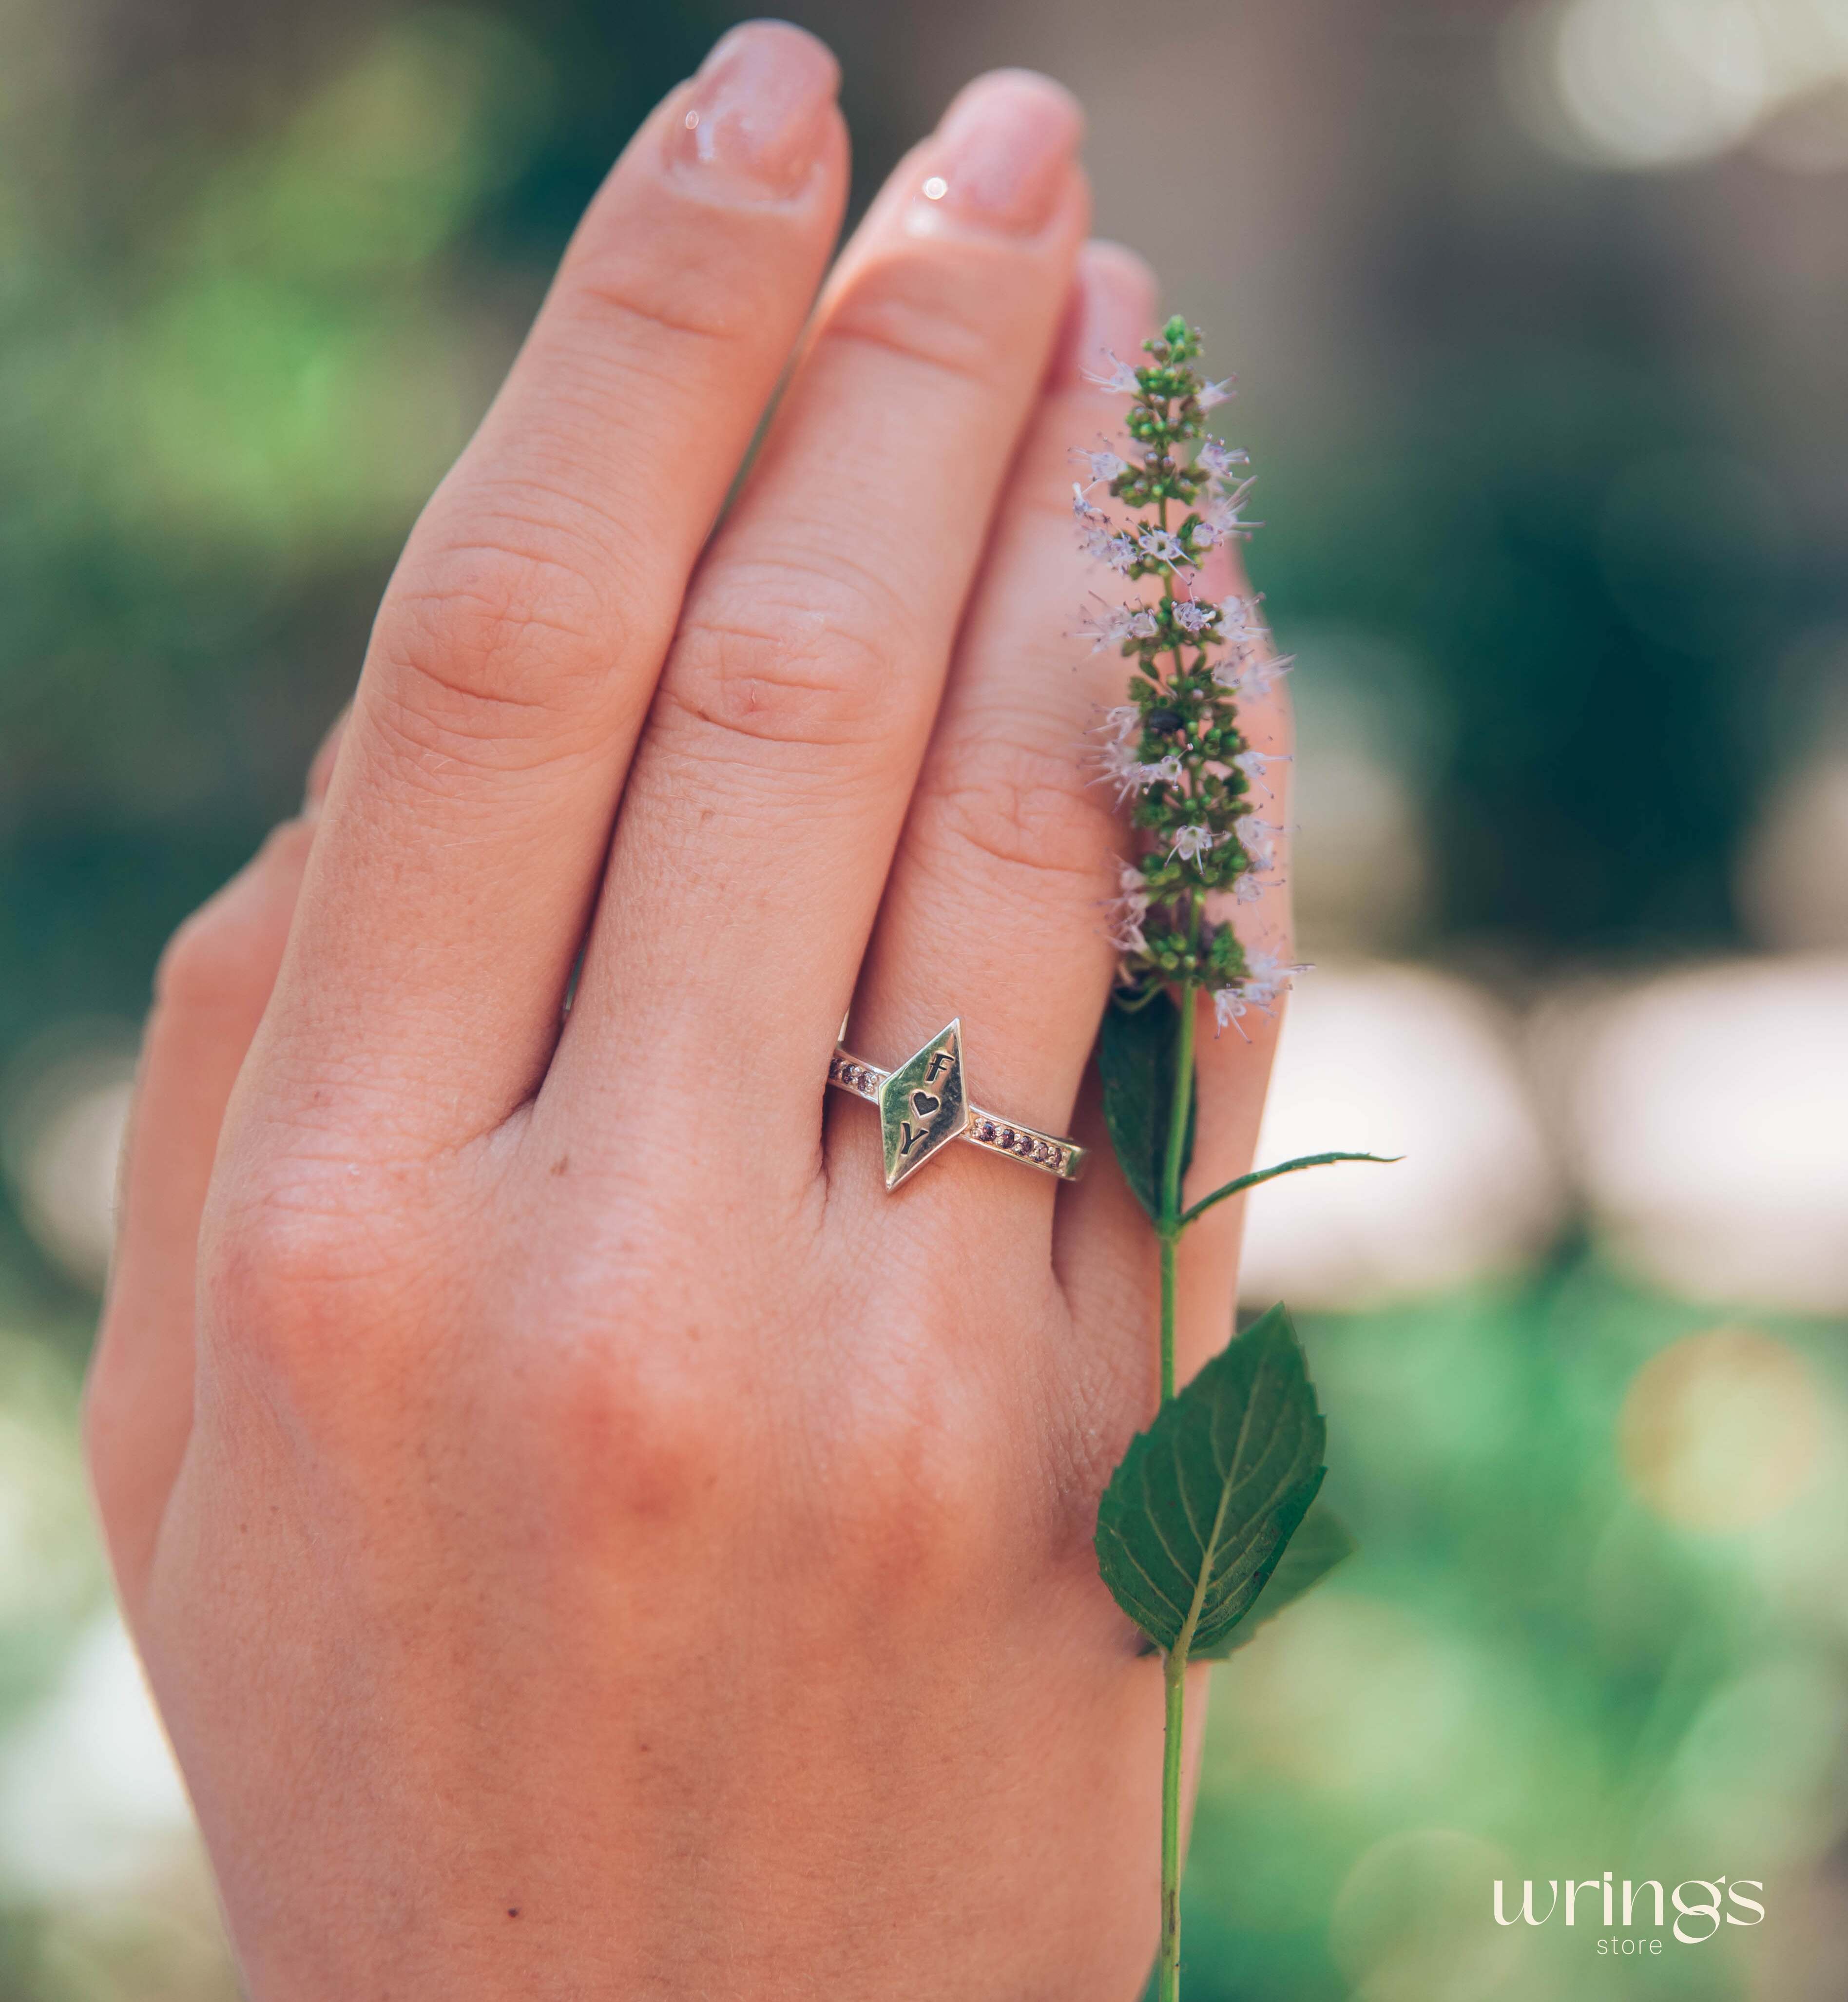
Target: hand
x=585 y=1537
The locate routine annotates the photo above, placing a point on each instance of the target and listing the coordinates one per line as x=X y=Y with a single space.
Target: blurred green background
x=1539 y=313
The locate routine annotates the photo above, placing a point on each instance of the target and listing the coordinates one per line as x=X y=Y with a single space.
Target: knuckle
x=639 y=1443
x=499 y=632
x=772 y=669
x=229 y=943
x=711 y=279
x=200 y=963
x=688 y=295
x=916 y=1530
x=914 y=1501
x=105 y=1420
x=911 y=310
x=307 y=1275
x=1002 y=806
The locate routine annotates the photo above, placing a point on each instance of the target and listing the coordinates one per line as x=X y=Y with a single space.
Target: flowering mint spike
x=1175 y=752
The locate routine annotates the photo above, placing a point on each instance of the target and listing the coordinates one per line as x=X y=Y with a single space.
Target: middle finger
x=767 y=796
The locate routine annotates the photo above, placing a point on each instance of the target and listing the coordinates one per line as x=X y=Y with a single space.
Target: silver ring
x=923 y=1106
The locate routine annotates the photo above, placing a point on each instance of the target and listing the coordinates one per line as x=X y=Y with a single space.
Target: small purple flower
x=1267 y=978
x=1114 y=547
x=1220 y=460
x=1114 y=623
x=1103 y=466
x=1252 y=678
x=1121 y=765
x=1123 y=722
x=1121 y=381
x=1229 y=1005
x=1130 y=775
x=1107 y=626
x=1159 y=546
x=1257 y=838
x=1240 y=623
x=1127 y=909
x=1223 y=516
x=1254 y=764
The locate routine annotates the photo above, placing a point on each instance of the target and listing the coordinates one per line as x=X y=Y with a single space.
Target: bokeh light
x=1412 y=1923
x=1665 y=83
x=1793 y=876
x=90 y=1804
x=1760 y=1770
x=1396 y=1061
x=1721 y=1430
x=1707 y=1112
x=64 y=1112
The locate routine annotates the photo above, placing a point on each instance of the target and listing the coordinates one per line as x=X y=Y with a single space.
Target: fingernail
x=1002 y=153
x=759 y=114
x=1112 y=308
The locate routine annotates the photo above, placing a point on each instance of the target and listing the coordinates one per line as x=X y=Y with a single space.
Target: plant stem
x=1169 y=1225
x=1174 y=1663
x=1170 y=1239
x=1174 y=1670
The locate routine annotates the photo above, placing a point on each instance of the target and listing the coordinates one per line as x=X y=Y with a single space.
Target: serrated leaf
x=1322 y=1543
x=1196 y=1518
x=1137 y=1051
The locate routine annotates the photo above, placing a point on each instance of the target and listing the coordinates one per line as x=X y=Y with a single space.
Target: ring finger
x=997 y=907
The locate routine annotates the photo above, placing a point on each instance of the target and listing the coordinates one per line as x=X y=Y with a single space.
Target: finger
x=214 y=980
x=767 y=796
x=995 y=910
x=518 y=644
x=320 y=771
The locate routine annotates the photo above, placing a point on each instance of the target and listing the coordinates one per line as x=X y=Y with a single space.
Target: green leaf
x=1196 y=1518
x=1270 y=1174
x=1137 y=1051
x=1322 y=1543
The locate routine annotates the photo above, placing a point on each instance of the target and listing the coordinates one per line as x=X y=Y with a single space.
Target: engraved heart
x=923 y=1104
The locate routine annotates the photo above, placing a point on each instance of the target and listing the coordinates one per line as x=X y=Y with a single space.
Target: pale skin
x=586 y=1539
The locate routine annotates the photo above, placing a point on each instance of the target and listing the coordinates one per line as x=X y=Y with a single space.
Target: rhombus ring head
x=924 y=1105
x=921 y=1106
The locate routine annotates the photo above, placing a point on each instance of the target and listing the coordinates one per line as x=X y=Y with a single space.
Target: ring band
x=922 y=1107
